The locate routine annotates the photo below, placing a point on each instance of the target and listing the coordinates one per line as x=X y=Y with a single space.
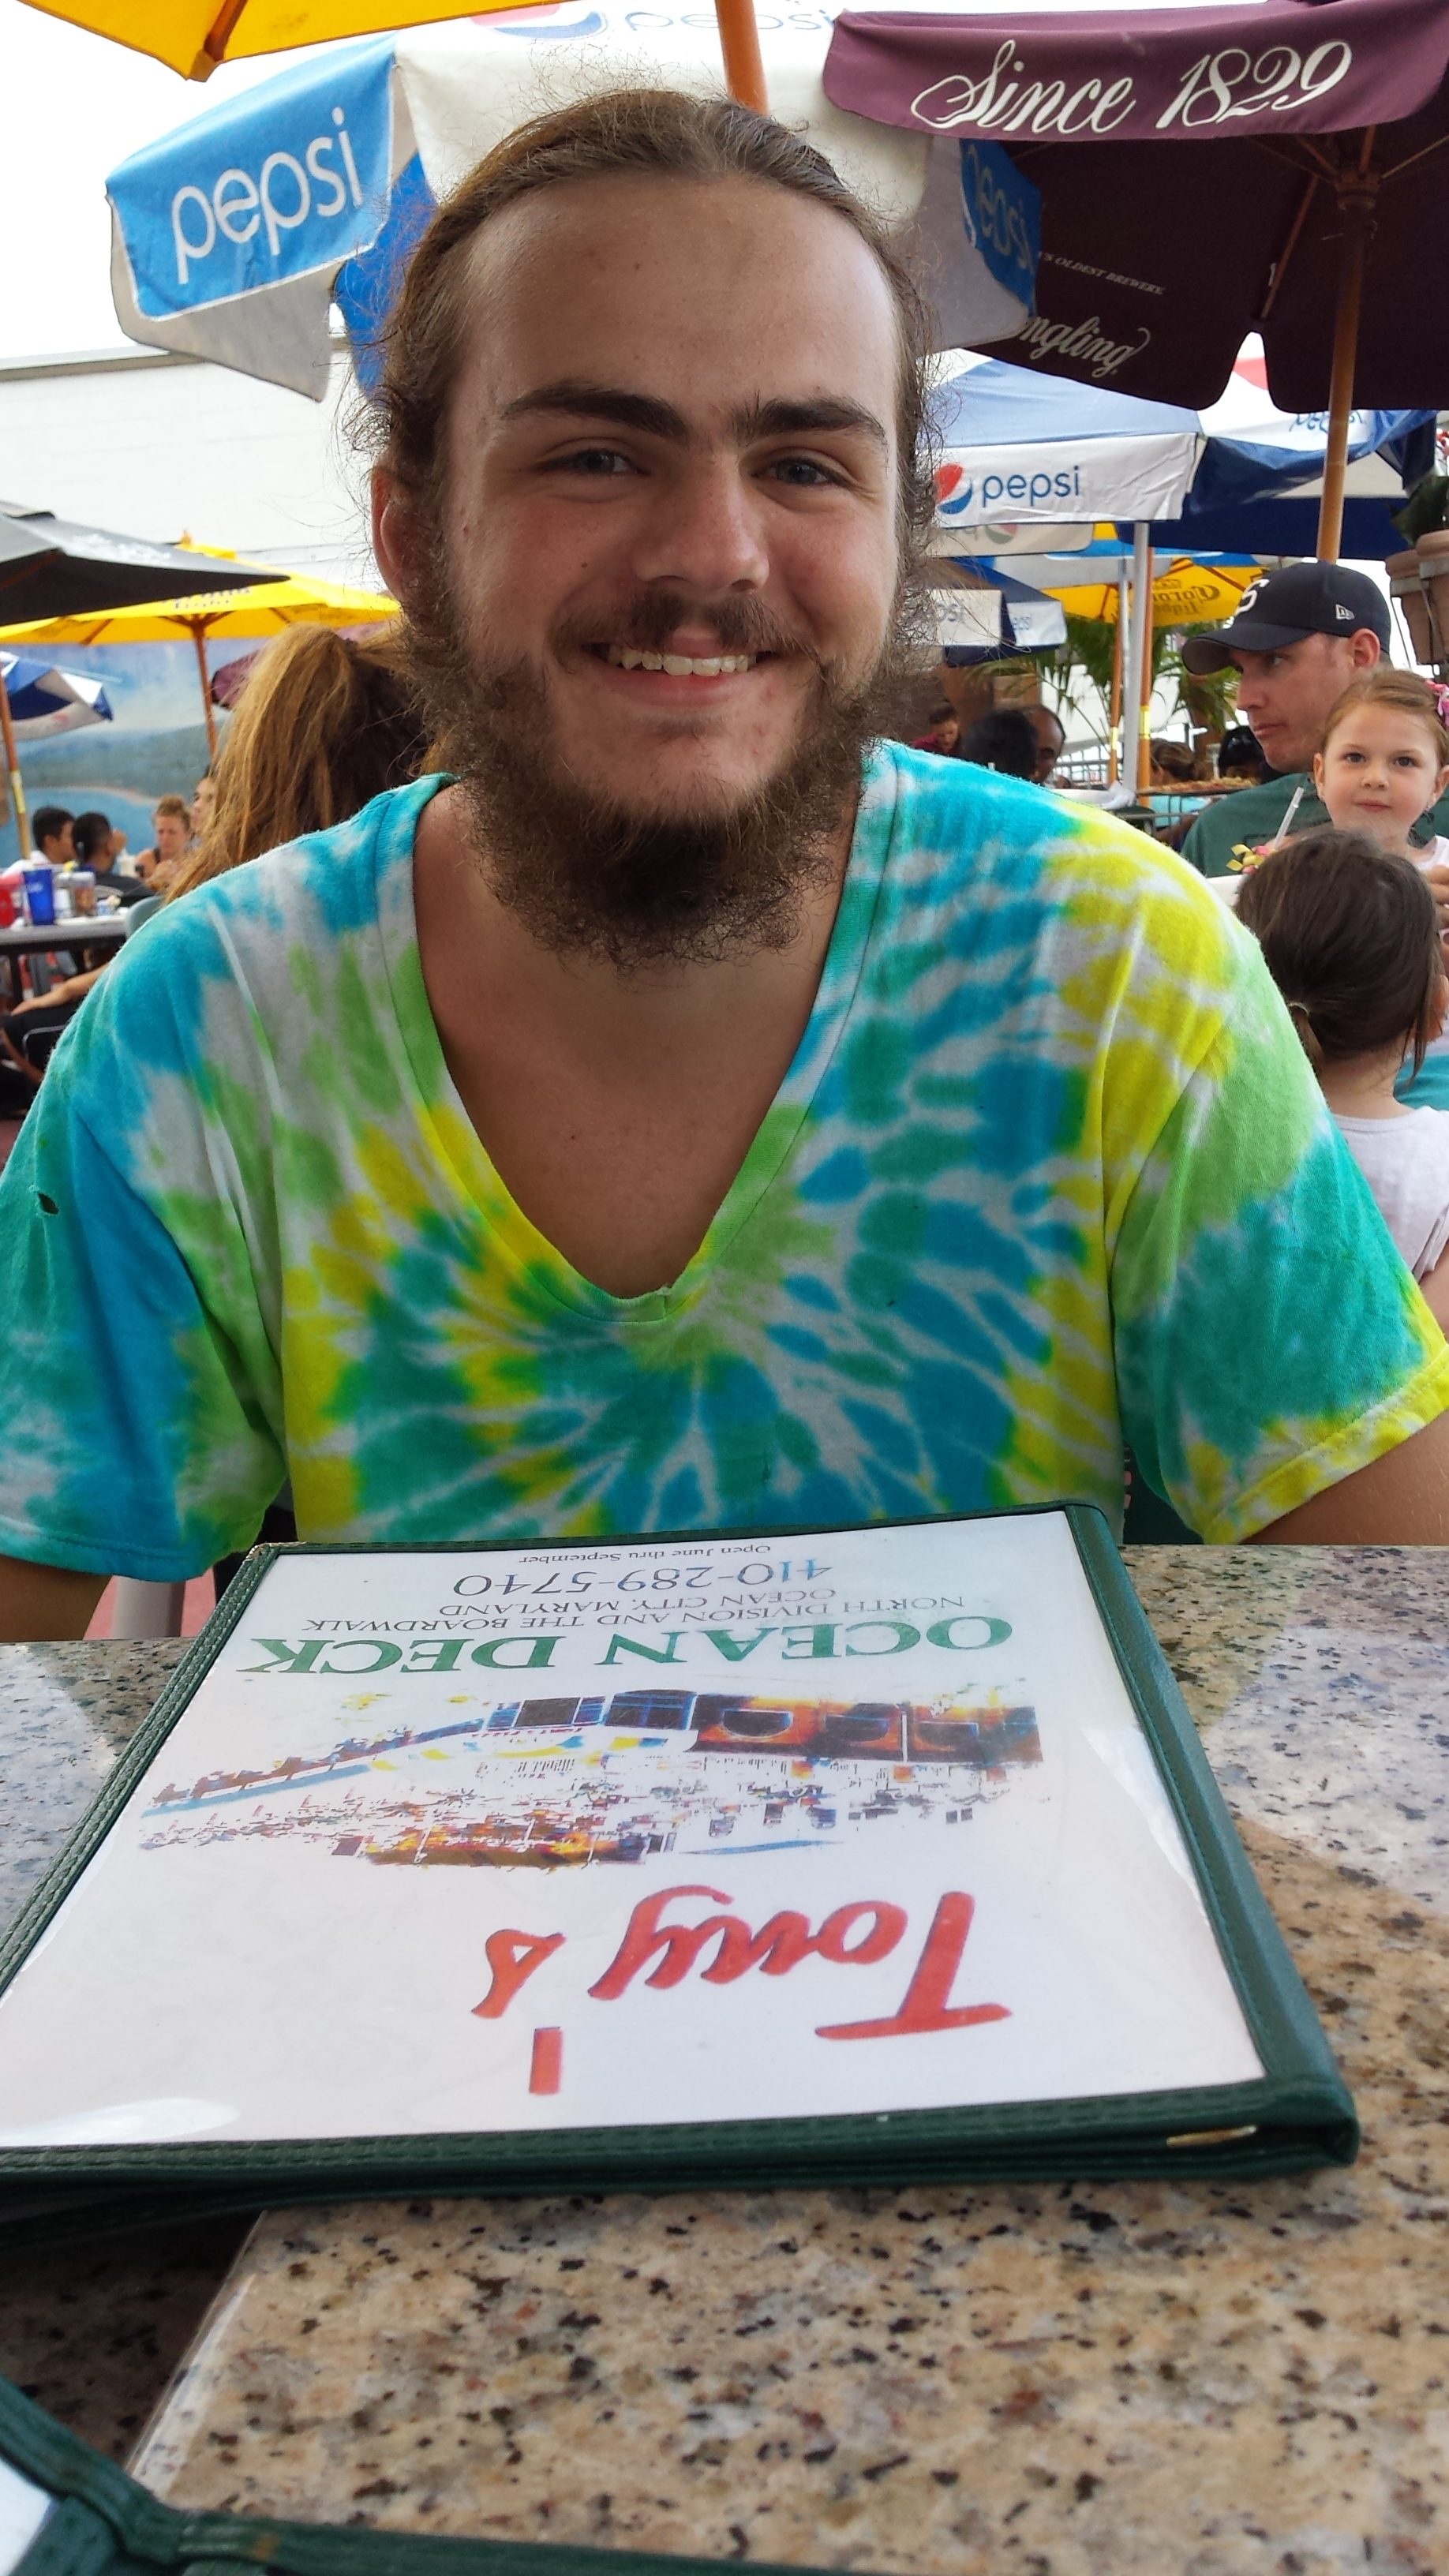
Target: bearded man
x=691 y=1113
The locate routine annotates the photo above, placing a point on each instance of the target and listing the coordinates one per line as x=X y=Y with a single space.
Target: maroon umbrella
x=1325 y=190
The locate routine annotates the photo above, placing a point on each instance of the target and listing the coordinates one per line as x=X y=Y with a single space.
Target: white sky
x=75 y=105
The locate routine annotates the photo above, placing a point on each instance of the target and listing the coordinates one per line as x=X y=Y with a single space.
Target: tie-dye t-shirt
x=1048 y=1172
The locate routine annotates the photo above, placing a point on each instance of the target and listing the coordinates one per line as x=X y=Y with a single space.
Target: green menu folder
x=66 y=2511
x=848 y=1855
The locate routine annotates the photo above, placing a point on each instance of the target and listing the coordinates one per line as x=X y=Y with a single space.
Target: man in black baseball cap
x=1298 y=638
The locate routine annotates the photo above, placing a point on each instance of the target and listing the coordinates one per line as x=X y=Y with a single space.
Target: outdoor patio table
x=101 y=930
x=1188 y=2379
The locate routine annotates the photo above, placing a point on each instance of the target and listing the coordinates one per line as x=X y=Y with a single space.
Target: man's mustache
x=649 y=621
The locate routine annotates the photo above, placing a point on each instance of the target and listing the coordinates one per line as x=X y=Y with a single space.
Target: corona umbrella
x=1186 y=591
x=254 y=613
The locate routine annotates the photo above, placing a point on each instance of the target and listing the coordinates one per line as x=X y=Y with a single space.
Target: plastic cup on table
x=40 y=894
x=81 y=886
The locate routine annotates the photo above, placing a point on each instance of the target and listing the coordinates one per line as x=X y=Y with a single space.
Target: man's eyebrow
x=798 y=419
x=577 y=398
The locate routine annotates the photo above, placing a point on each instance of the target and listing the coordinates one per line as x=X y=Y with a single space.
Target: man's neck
x=616 y=1106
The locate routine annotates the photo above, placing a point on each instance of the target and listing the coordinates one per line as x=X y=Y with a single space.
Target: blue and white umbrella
x=233 y=235
x=45 y=700
x=990 y=613
x=1261 y=475
x=1023 y=455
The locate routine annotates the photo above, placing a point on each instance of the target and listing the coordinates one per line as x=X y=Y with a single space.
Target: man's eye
x=595 y=460
x=802 y=470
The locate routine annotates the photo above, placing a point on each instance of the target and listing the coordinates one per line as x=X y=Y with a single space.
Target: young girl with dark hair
x=1351 y=937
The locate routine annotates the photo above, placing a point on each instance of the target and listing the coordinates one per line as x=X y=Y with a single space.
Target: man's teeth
x=680 y=666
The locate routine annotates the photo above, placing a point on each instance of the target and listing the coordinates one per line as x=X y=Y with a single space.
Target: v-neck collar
x=513 y=1235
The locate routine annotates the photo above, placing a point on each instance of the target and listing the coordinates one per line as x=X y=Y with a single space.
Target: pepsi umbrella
x=233 y=235
x=1205 y=172
x=982 y=614
x=1014 y=447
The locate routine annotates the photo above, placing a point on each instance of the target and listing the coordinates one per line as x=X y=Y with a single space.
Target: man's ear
x=397 y=536
x=1364 y=649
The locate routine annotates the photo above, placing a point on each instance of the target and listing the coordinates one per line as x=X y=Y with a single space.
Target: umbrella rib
x=218 y=36
x=1400 y=167
x=1281 y=263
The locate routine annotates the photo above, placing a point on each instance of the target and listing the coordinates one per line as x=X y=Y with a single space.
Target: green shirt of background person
x=1300 y=635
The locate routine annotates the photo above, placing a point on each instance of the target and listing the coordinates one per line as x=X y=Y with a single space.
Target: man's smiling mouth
x=679 y=666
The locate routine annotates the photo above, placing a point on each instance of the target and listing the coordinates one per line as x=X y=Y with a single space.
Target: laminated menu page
x=862 y=1853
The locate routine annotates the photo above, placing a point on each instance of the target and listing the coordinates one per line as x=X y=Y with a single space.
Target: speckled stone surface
x=92 y=2331
x=66 y=1713
x=1143 y=2380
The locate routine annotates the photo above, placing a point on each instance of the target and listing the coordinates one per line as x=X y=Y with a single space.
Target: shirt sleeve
x=138 y=1442
x=1268 y=1338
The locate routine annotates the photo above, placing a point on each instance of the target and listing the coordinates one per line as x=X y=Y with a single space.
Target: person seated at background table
x=1051 y=737
x=1241 y=757
x=33 y=1030
x=92 y=838
x=50 y=834
x=325 y=723
x=1174 y=764
x=199 y=810
x=692 y=1111
x=1297 y=638
x=944 y=731
x=51 y=828
x=1003 y=739
x=171 y=824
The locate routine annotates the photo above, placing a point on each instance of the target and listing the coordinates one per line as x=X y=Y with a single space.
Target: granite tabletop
x=1189 y=2379
x=92 y=2331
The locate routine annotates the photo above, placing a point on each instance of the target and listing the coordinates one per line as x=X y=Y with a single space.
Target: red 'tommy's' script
x=854 y=1936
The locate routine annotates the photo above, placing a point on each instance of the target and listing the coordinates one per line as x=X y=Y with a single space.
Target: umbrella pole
x=1340 y=397
x=1139 y=670
x=1144 y=716
x=12 y=770
x=1355 y=200
x=1114 y=713
x=198 y=638
x=739 y=39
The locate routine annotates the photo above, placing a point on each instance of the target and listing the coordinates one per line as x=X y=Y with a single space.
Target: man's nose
x=704 y=529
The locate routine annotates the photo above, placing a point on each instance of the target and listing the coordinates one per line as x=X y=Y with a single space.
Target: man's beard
x=584 y=873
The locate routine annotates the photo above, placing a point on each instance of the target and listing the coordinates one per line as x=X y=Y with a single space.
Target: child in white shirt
x=1350 y=933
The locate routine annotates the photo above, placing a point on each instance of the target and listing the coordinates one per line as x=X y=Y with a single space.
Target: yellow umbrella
x=193 y=36
x=250 y=614
x=1184 y=593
